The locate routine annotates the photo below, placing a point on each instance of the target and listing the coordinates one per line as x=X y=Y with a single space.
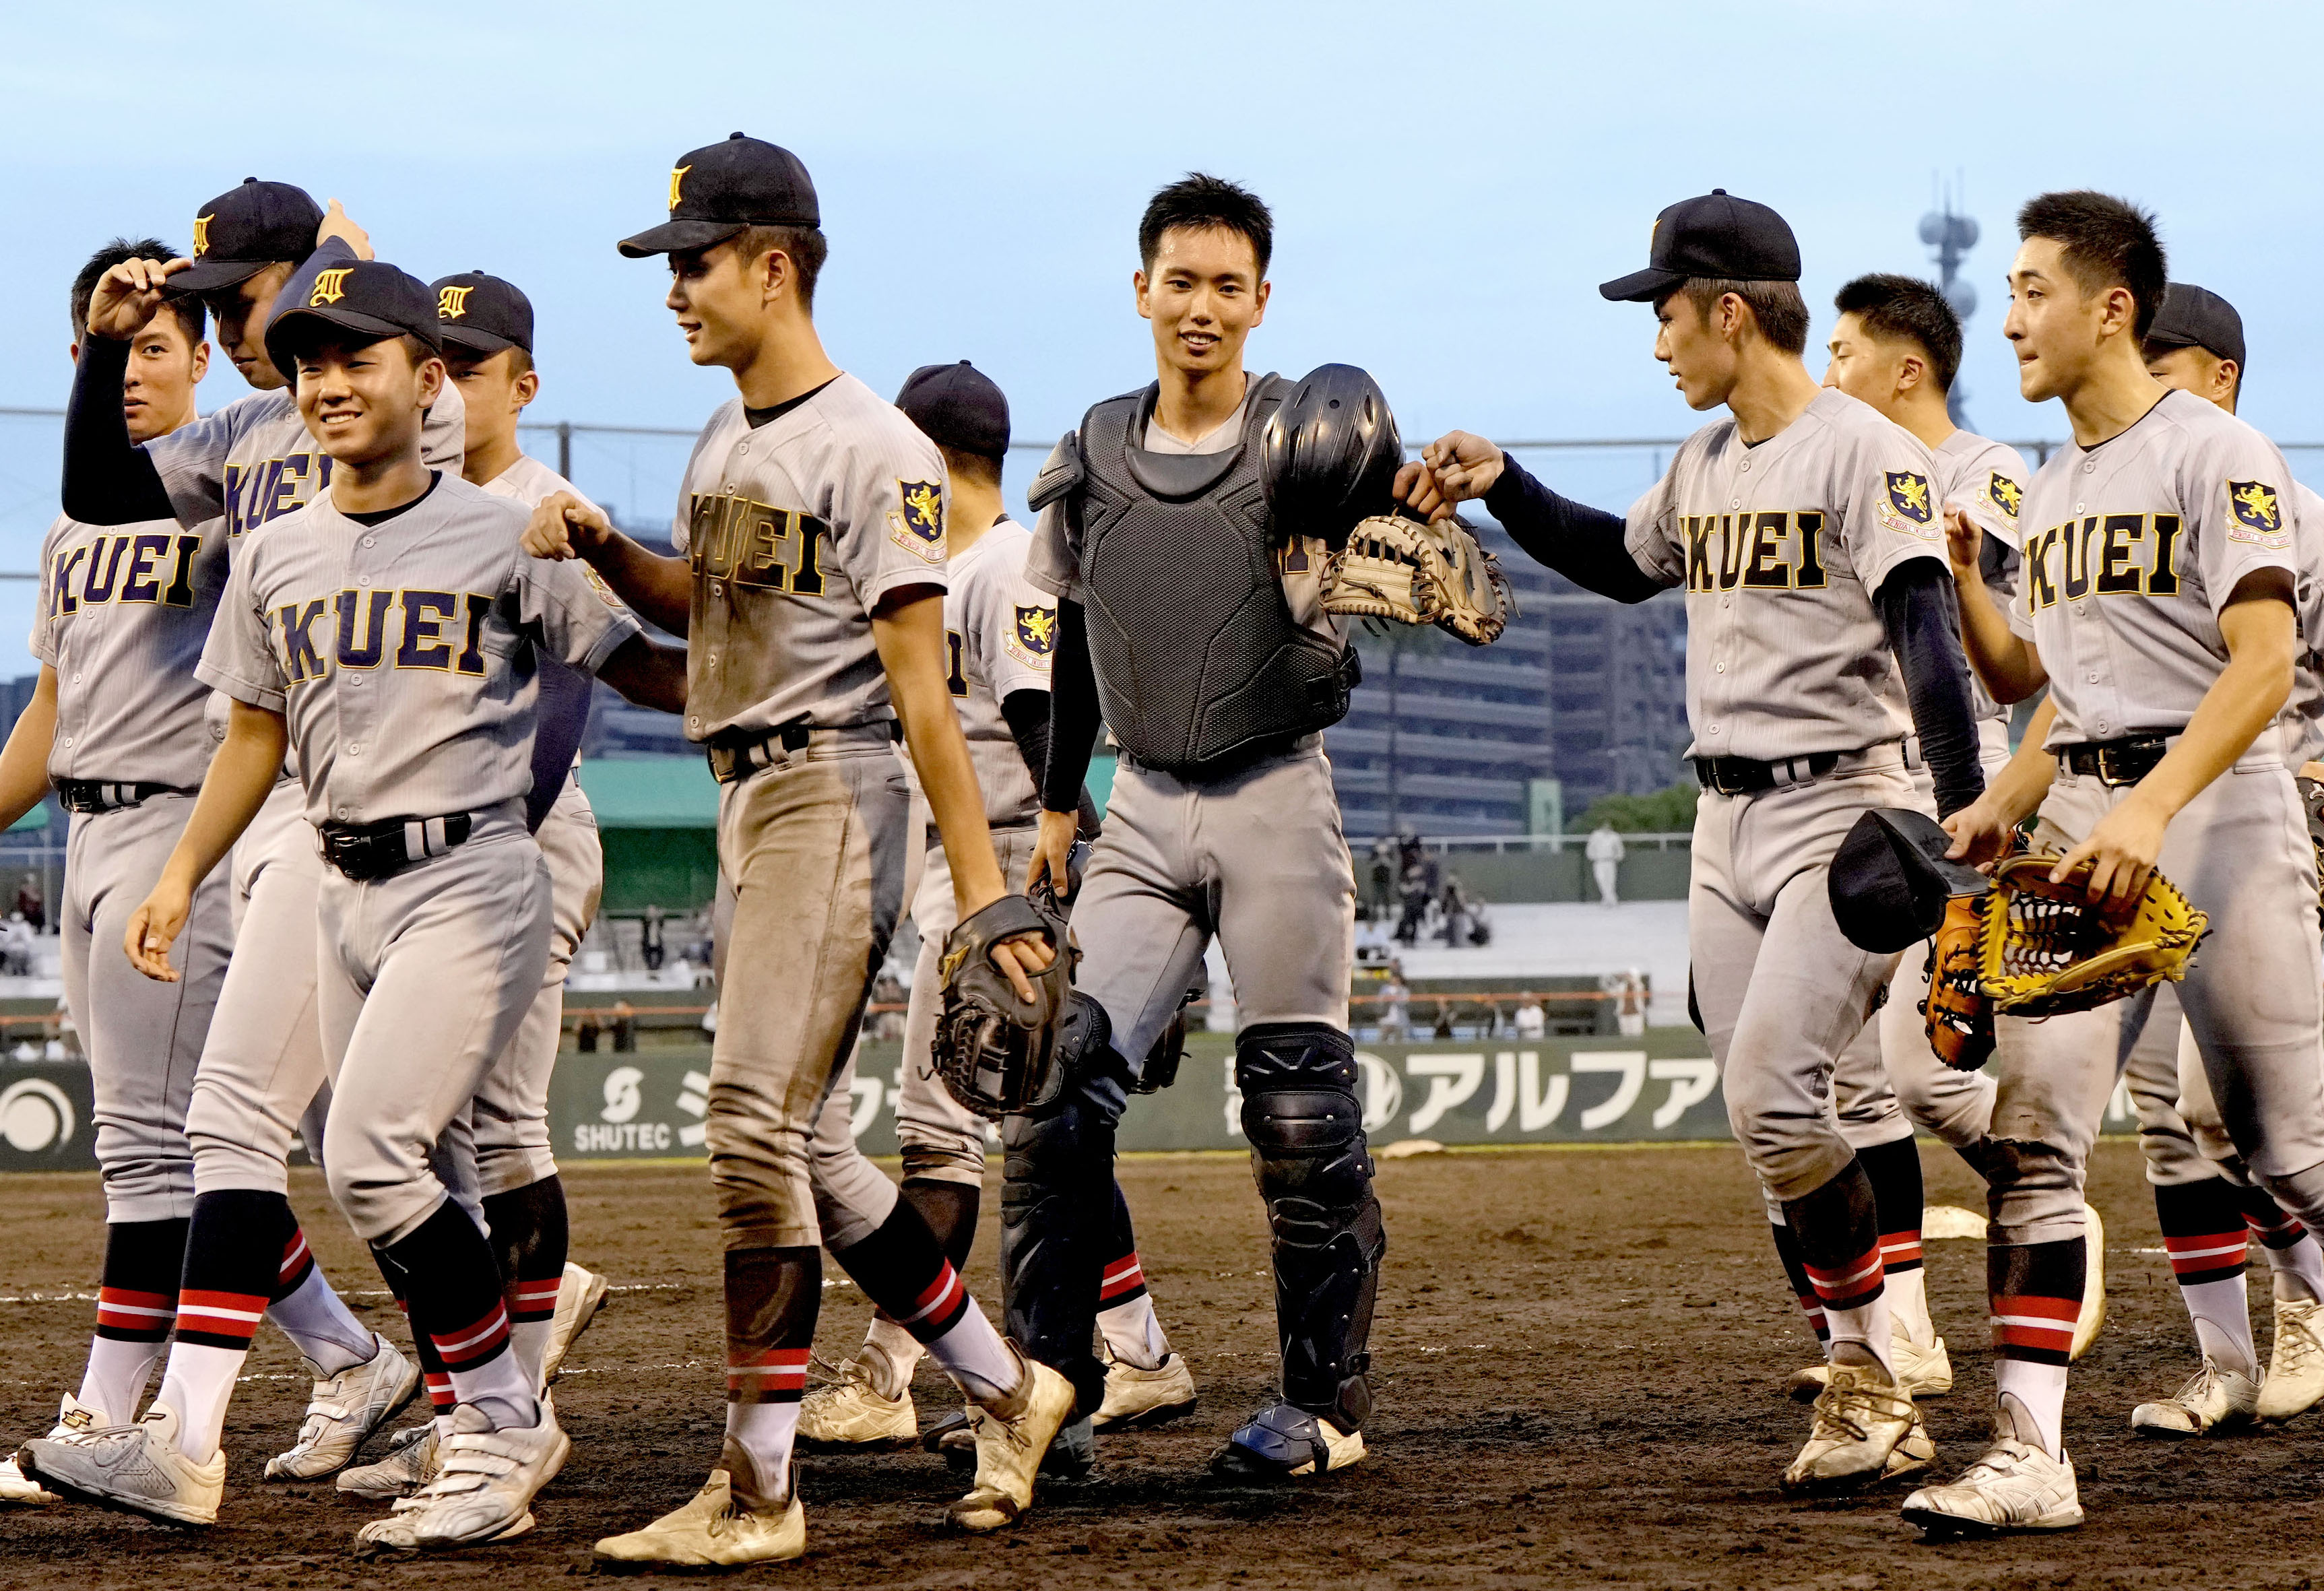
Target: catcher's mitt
x=2043 y=950
x=2311 y=801
x=1398 y=568
x=995 y=1054
x=1959 y=1015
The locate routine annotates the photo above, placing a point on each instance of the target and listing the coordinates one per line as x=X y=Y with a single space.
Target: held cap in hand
x=717 y=190
x=1889 y=879
x=245 y=229
x=1717 y=236
x=480 y=314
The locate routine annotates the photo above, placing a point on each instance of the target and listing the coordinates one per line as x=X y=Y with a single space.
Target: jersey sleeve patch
x=918 y=526
x=1033 y=634
x=1908 y=507
x=2259 y=514
x=2004 y=494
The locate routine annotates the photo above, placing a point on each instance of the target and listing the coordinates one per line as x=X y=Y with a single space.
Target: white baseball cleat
x=344 y=1409
x=1860 y=1417
x=717 y=1528
x=414 y=1454
x=1914 y=1452
x=850 y=1413
x=1922 y=1372
x=483 y=1490
x=2214 y=1399
x=1012 y=1437
x=2093 y=1315
x=2013 y=1487
x=579 y=1296
x=136 y=1469
x=2294 y=1382
x=1135 y=1398
x=75 y=1420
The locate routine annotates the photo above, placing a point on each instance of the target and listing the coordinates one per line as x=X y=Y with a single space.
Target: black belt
x=86 y=796
x=739 y=755
x=1743 y=776
x=373 y=851
x=2116 y=762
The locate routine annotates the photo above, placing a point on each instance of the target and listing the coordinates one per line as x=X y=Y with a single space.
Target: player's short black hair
x=1897 y=308
x=981 y=467
x=805 y=246
x=1200 y=201
x=1778 y=307
x=2106 y=242
x=186 y=307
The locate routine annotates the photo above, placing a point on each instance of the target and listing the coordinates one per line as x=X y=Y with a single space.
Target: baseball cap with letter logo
x=1718 y=236
x=245 y=229
x=717 y=190
x=482 y=314
x=370 y=297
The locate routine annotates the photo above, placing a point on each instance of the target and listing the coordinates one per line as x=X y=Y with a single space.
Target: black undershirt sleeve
x=108 y=479
x=562 y=718
x=1919 y=611
x=1588 y=545
x=1027 y=713
x=1073 y=713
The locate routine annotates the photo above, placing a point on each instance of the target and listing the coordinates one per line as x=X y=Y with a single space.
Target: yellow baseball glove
x=2043 y=949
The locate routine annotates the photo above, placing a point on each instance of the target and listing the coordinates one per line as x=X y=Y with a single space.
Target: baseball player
x=999 y=635
x=389 y=627
x=115 y=727
x=261 y=1066
x=2158 y=590
x=809 y=584
x=1821 y=632
x=1197 y=631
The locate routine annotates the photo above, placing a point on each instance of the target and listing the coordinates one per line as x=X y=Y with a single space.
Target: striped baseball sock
x=2203 y=1232
x=949 y=1208
x=1894 y=1169
x=1125 y=1310
x=432 y=1374
x=135 y=1303
x=1839 y=1233
x=1787 y=1249
x=531 y=1237
x=233 y=1255
x=2035 y=1291
x=454 y=1292
x=309 y=1311
x=2295 y=1264
x=900 y=1269
x=772 y=1297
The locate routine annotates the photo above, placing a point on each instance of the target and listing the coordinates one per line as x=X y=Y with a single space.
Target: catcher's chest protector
x=1196 y=655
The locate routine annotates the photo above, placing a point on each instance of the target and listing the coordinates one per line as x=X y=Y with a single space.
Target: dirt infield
x=1580 y=1355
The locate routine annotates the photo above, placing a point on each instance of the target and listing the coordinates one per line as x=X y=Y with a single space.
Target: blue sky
x=1450 y=183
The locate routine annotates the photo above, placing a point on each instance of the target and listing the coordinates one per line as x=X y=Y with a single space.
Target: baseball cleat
x=715 y=1530
x=953 y=1440
x=1284 y=1441
x=136 y=1469
x=75 y=1420
x=344 y=1409
x=414 y=1454
x=851 y=1413
x=482 y=1491
x=15 y=1488
x=2214 y=1399
x=1921 y=1371
x=2013 y=1487
x=2294 y=1382
x=1860 y=1417
x=2093 y=1315
x=1012 y=1438
x=579 y=1297
x=1914 y=1453
x=1135 y=1398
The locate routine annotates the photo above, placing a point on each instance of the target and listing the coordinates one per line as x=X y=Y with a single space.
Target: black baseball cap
x=2196 y=318
x=1717 y=236
x=245 y=229
x=720 y=188
x=957 y=406
x=368 y=296
x=1890 y=879
x=482 y=314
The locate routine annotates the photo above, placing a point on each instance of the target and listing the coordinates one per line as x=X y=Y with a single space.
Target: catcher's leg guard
x=1307 y=1134
x=1057 y=1215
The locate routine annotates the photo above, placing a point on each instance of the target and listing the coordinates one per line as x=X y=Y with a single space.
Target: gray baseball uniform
x=401 y=656
x=123 y=614
x=1781 y=548
x=2132 y=549
x=796 y=529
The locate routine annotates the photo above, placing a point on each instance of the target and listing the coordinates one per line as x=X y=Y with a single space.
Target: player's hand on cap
x=127 y=296
x=2121 y=849
x=1980 y=832
x=1964 y=541
x=1465 y=465
x=335 y=223
x=154 y=927
x=563 y=525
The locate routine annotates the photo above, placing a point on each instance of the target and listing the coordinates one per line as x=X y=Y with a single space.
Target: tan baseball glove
x=2043 y=949
x=1960 y=1015
x=1402 y=570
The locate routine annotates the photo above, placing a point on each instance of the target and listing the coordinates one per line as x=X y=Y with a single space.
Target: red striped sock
x=126 y=1315
x=1849 y=1286
x=1122 y=1280
x=298 y=1264
x=466 y=1347
x=219 y=1320
x=766 y=1376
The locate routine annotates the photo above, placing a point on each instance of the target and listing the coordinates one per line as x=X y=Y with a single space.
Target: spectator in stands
x=1444 y=1029
x=1455 y=902
x=1416 y=898
x=1384 y=873
x=649 y=938
x=1531 y=1021
x=16 y=941
x=1394 y=999
x=625 y=1027
x=29 y=903
x=1495 y=1020
x=585 y=1031
x=1605 y=852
